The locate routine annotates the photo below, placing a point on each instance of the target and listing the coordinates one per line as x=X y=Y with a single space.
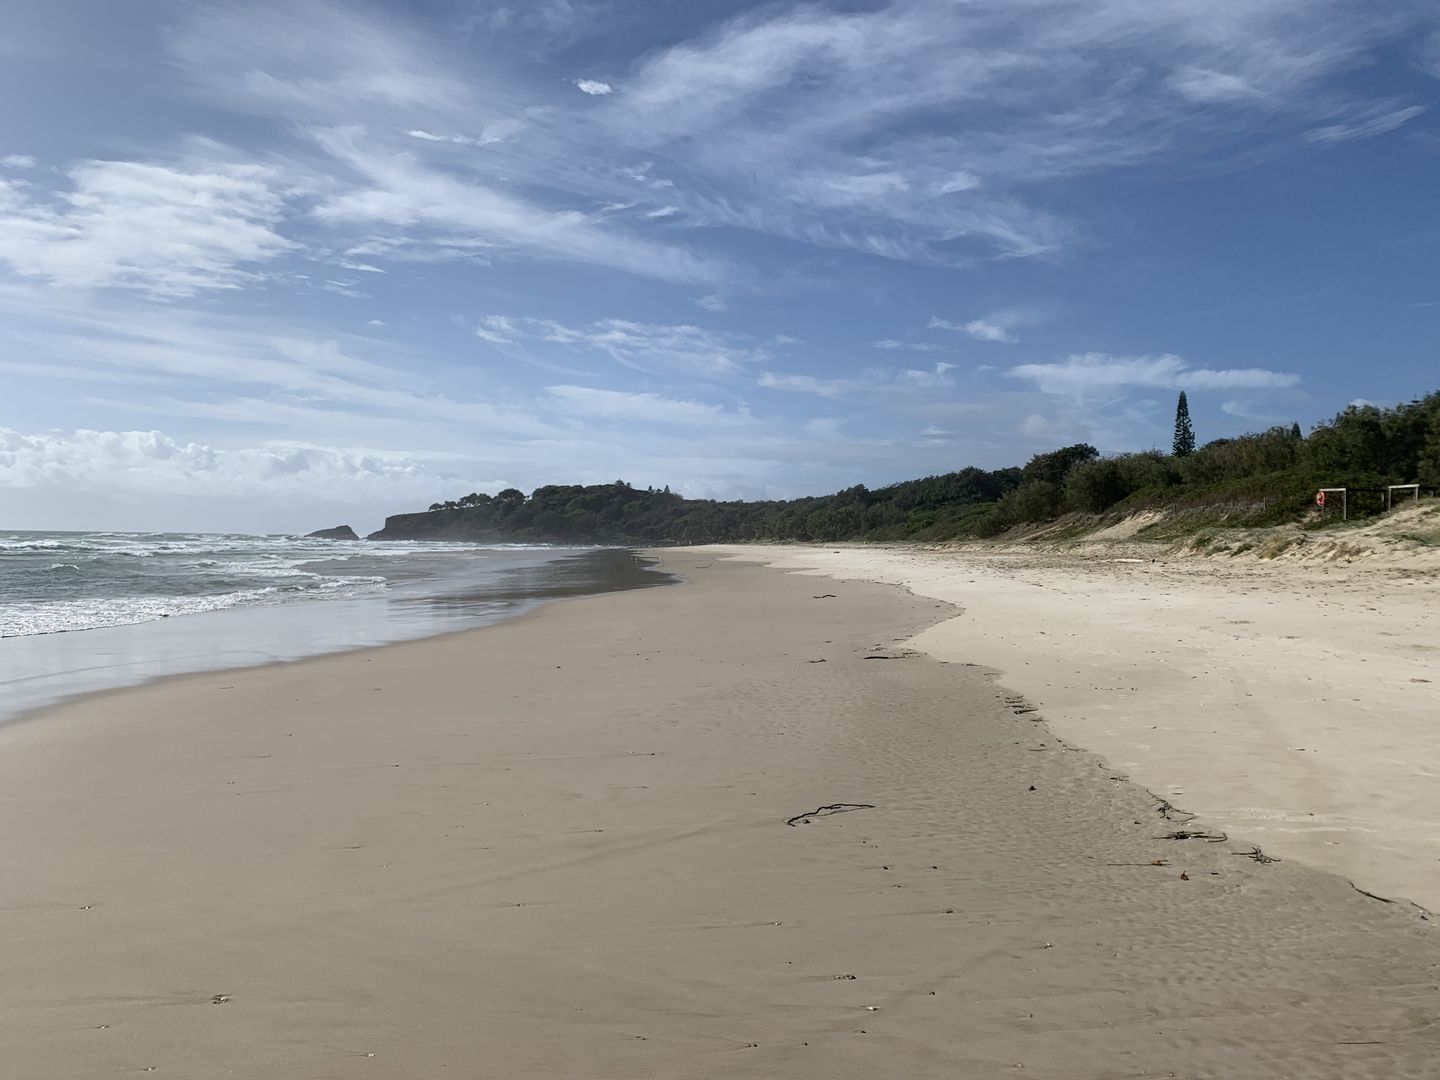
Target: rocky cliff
x=445 y=525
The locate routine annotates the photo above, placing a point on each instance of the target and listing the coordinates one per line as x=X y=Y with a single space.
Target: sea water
x=81 y=612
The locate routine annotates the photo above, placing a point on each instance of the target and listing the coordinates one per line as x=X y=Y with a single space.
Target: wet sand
x=559 y=848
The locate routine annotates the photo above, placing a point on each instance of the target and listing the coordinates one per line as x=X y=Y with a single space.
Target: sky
x=272 y=267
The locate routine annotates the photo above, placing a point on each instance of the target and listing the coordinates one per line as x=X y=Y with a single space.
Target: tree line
x=1261 y=478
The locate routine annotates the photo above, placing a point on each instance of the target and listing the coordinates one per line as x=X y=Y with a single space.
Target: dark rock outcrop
x=340 y=532
x=446 y=525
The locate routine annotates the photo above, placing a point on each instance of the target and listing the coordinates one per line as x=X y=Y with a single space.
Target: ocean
x=81 y=612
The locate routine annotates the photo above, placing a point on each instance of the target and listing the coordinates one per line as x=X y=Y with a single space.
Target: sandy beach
x=1292 y=702
x=584 y=844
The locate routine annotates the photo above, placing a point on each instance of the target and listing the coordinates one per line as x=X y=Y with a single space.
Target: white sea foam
x=56 y=582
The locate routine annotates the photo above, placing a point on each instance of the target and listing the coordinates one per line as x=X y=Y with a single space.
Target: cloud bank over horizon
x=368 y=256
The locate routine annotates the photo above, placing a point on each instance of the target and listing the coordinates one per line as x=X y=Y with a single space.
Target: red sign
x=1319 y=498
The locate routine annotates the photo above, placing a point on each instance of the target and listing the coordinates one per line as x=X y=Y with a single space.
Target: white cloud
x=911 y=346
x=961 y=181
x=357 y=83
x=873 y=380
x=663 y=212
x=806 y=384
x=454 y=140
x=151 y=463
x=841 y=189
x=981 y=330
x=804 y=122
x=496 y=131
x=1036 y=426
x=1365 y=124
x=641 y=407
x=1430 y=55
x=1085 y=374
x=1206 y=86
x=17 y=161
x=992 y=328
x=317 y=59
x=775 y=104
x=914 y=129
x=447 y=213
x=211 y=357
x=544 y=24
x=937 y=376
x=1246 y=410
x=168 y=230
x=497 y=329
x=650 y=347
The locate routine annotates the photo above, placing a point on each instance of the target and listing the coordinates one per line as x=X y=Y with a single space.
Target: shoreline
x=245 y=636
x=82 y=698
x=560 y=846
x=1287 y=703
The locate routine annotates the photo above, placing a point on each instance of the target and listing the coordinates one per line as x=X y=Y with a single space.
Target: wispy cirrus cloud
x=1087 y=374
x=369 y=91
x=806 y=122
x=643 y=407
x=814 y=117
x=1205 y=85
x=1429 y=54
x=446 y=159
x=490 y=134
x=871 y=380
x=650 y=347
x=207 y=357
x=1365 y=124
x=910 y=346
x=807 y=384
x=1246 y=410
x=315 y=60
x=427 y=208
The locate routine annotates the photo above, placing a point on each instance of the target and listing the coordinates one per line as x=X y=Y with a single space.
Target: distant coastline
x=1269 y=478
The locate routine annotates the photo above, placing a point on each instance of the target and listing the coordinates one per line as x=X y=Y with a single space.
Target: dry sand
x=558 y=848
x=1292 y=703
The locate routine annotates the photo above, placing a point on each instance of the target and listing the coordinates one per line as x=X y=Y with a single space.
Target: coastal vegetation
x=1264 y=478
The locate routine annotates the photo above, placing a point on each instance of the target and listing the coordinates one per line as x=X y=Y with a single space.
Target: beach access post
x=1390 y=490
x=1320 y=500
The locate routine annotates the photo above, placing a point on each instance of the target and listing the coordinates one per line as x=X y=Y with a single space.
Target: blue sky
x=275 y=266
